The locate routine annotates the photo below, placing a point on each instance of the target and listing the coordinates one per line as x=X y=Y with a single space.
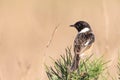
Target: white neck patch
x=84 y=30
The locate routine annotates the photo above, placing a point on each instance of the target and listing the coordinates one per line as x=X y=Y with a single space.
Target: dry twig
x=49 y=42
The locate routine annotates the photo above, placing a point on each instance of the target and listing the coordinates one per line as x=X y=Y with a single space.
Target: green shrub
x=89 y=69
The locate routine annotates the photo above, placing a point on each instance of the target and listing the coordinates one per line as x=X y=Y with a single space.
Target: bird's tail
x=75 y=62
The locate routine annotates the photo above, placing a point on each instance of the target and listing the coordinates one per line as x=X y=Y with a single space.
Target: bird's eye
x=79 y=25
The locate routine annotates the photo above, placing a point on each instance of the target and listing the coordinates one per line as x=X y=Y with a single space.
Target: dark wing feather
x=82 y=41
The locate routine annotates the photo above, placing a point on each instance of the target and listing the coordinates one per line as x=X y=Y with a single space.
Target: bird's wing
x=89 y=39
x=82 y=41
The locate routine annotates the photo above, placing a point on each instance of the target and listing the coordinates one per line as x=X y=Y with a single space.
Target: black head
x=80 y=25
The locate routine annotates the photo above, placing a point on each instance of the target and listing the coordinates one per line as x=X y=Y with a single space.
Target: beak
x=72 y=25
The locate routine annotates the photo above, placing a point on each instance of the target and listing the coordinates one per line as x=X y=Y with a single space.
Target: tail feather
x=75 y=62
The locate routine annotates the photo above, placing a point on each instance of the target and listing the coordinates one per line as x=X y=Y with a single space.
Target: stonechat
x=83 y=41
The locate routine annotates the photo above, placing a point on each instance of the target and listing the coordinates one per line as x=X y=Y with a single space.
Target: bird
x=82 y=42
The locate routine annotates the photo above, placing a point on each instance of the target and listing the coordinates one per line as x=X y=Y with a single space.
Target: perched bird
x=82 y=42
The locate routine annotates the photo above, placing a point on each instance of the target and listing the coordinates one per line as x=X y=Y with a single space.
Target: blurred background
x=27 y=26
